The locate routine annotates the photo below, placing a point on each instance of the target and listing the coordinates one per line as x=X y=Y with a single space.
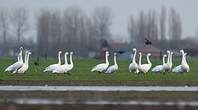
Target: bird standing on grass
x=103 y=66
x=114 y=67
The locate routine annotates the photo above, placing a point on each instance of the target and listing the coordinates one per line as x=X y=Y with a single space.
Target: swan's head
x=66 y=53
x=149 y=54
x=21 y=48
x=134 y=49
x=182 y=51
x=59 y=52
x=107 y=53
x=171 y=53
x=168 y=51
x=29 y=53
x=71 y=53
x=115 y=54
x=165 y=55
x=140 y=53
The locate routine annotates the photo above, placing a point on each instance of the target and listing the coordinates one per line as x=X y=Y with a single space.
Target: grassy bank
x=81 y=74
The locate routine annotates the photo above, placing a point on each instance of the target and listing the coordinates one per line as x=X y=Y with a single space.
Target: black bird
x=121 y=51
x=36 y=63
x=147 y=42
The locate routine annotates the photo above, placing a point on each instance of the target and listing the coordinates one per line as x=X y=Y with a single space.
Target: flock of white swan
x=22 y=66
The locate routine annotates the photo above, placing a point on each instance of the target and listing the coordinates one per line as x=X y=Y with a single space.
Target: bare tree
x=152 y=26
x=102 y=17
x=163 y=23
x=175 y=25
x=132 y=30
x=43 y=28
x=55 y=30
x=20 y=22
x=4 y=27
x=142 y=28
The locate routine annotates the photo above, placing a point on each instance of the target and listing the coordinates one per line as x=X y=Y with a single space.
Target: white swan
x=103 y=66
x=14 y=67
x=62 y=68
x=54 y=66
x=134 y=66
x=168 y=64
x=160 y=68
x=71 y=65
x=184 y=67
x=25 y=66
x=144 y=67
x=114 y=67
x=171 y=60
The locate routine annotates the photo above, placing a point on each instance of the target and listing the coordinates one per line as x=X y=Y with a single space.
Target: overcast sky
x=121 y=9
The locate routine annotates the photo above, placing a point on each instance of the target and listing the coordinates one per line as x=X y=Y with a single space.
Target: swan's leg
x=68 y=73
x=137 y=71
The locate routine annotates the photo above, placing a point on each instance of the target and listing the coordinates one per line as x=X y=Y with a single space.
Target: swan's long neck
x=59 y=60
x=168 y=59
x=115 y=62
x=171 y=59
x=21 y=55
x=148 y=60
x=27 y=60
x=134 y=56
x=66 y=59
x=140 y=59
x=183 y=58
x=164 y=59
x=71 y=61
x=26 y=56
x=18 y=57
x=107 y=61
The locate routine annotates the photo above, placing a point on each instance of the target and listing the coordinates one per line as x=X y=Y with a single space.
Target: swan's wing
x=177 y=69
x=112 y=69
x=158 y=68
x=14 y=66
x=99 y=67
x=145 y=67
x=17 y=66
x=9 y=68
x=132 y=66
x=51 y=67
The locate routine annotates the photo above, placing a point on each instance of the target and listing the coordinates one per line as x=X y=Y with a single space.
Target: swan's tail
x=93 y=69
x=47 y=69
x=8 y=69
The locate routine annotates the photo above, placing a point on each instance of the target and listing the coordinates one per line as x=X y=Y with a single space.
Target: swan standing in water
x=14 y=67
x=144 y=67
x=54 y=66
x=62 y=68
x=114 y=67
x=134 y=66
x=103 y=66
x=160 y=68
x=184 y=67
x=25 y=66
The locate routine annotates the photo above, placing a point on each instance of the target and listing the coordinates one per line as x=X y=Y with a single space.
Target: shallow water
x=98 y=102
x=100 y=88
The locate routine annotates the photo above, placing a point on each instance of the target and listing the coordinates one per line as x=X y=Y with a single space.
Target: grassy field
x=81 y=74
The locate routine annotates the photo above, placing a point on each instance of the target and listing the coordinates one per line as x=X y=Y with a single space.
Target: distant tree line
x=74 y=30
x=13 y=23
x=160 y=28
